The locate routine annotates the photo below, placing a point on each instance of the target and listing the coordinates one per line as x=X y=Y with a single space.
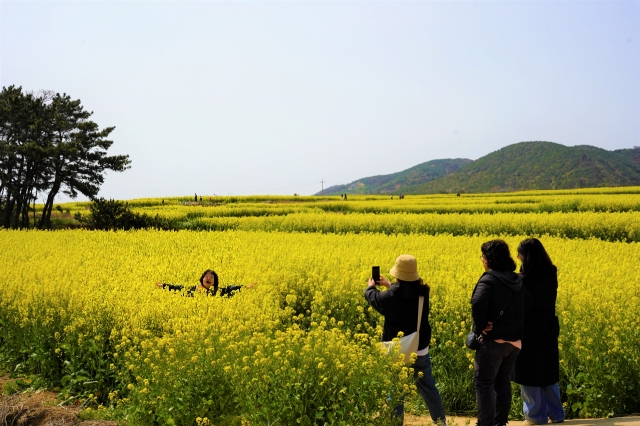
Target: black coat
x=496 y=292
x=538 y=363
x=399 y=305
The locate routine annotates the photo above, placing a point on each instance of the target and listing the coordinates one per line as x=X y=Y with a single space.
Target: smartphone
x=375 y=274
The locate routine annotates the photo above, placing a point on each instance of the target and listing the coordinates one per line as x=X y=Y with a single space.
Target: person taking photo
x=399 y=306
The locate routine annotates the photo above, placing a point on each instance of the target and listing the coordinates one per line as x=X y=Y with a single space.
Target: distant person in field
x=537 y=368
x=195 y=197
x=208 y=285
x=497 y=310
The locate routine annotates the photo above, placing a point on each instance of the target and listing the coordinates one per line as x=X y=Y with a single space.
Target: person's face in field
x=207 y=281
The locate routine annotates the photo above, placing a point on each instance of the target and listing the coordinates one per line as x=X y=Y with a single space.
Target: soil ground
x=41 y=409
x=462 y=421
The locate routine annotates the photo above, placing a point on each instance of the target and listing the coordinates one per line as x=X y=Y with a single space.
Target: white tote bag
x=408 y=344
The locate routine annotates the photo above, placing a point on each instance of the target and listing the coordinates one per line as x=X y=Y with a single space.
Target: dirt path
x=466 y=421
x=39 y=409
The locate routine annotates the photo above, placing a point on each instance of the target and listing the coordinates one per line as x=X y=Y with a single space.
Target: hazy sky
x=273 y=96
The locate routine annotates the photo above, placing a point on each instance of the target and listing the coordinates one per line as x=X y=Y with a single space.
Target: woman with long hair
x=537 y=368
x=497 y=309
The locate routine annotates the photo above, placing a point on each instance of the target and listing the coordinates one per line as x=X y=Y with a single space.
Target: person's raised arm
x=170 y=287
x=376 y=298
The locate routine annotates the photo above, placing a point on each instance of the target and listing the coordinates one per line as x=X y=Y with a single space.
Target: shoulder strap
x=508 y=299
x=420 y=304
x=502 y=310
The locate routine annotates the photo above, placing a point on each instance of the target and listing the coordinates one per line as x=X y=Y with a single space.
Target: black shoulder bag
x=473 y=340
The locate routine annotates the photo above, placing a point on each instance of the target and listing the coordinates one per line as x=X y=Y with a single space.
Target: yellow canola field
x=81 y=309
x=623 y=199
x=477 y=203
x=584 y=225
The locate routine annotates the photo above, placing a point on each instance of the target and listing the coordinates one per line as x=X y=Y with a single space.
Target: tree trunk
x=16 y=196
x=8 y=186
x=45 y=220
x=16 y=217
x=8 y=210
x=26 y=193
x=24 y=220
x=3 y=202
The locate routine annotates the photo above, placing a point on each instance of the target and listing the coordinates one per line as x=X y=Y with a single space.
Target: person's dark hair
x=497 y=255
x=535 y=260
x=421 y=287
x=215 y=277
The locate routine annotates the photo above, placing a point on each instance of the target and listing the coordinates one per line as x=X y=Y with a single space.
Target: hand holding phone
x=375 y=274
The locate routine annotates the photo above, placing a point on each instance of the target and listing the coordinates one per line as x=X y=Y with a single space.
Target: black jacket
x=538 y=363
x=498 y=291
x=399 y=305
x=211 y=291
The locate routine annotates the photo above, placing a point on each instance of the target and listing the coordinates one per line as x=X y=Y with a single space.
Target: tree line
x=48 y=145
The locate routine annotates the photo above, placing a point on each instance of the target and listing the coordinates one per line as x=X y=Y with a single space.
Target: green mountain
x=540 y=165
x=633 y=154
x=396 y=182
x=521 y=166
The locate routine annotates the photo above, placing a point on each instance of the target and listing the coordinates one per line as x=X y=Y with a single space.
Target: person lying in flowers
x=208 y=284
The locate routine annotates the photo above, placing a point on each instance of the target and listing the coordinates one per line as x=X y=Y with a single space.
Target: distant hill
x=633 y=154
x=540 y=165
x=396 y=182
x=521 y=166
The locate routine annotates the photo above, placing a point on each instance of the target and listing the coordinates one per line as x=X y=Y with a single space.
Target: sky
x=274 y=97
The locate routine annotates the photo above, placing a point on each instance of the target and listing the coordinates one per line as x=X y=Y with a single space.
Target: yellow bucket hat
x=406 y=268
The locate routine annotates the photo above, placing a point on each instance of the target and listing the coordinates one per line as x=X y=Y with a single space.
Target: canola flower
x=610 y=214
x=79 y=308
x=584 y=225
x=610 y=200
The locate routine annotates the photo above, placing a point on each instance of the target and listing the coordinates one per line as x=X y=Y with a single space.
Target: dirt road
x=41 y=409
x=466 y=421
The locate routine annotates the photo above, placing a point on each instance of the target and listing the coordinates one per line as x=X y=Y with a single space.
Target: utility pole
x=322 y=182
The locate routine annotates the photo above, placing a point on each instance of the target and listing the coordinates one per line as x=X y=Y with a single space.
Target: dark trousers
x=492 y=375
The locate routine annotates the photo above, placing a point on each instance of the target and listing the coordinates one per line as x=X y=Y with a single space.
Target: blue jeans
x=542 y=403
x=427 y=389
x=492 y=369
